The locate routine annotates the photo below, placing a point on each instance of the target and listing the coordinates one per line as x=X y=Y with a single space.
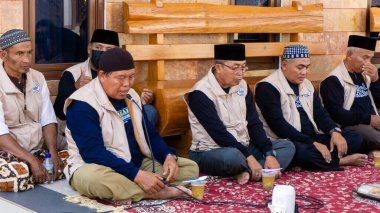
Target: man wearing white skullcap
x=27 y=118
x=290 y=108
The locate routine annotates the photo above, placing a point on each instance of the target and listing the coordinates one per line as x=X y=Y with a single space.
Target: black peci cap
x=231 y=52
x=105 y=37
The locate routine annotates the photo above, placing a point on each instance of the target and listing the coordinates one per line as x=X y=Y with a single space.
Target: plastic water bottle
x=48 y=164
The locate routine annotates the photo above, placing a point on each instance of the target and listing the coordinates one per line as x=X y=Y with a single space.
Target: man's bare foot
x=242 y=178
x=297 y=168
x=169 y=192
x=370 y=154
x=354 y=160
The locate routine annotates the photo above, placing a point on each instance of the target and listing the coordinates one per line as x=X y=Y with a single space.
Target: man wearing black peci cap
x=228 y=137
x=351 y=92
x=78 y=75
x=112 y=147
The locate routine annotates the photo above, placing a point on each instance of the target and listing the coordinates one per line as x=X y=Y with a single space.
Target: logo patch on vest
x=361 y=91
x=36 y=87
x=124 y=115
x=298 y=102
x=241 y=91
x=307 y=94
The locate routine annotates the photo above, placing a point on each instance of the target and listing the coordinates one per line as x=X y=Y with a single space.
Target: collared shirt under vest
x=349 y=87
x=113 y=130
x=288 y=102
x=22 y=115
x=230 y=107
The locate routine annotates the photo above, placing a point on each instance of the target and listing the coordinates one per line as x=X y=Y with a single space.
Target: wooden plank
x=353 y=20
x=295 y=24
x=115 y=17
x=148 y=11
x=206 y=51
x=52 y=75
x=206 y=18
x=53 y=87
x=333 y=3
x=184 y=69
x=377 y=50
x=297 y=5
x=156 y=68
x=324 y=63
x=374 y=19
x=11 y=15
x=336 y=41
x=345 y=4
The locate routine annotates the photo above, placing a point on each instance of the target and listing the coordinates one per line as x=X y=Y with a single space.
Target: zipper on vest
x=228 y=109
x=24 y=96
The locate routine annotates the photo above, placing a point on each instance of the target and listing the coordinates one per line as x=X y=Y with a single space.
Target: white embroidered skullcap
x=13 y=37
x=295 y=51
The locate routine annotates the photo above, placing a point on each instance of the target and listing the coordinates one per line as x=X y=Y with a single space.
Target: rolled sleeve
x=48 y=115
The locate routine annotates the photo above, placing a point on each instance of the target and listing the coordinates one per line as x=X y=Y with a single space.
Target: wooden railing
x=208 y=18
x=157 y=19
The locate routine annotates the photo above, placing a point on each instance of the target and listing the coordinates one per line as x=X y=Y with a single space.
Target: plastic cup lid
x=270 y=171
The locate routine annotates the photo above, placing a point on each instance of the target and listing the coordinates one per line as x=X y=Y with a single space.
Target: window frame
x=95 y=21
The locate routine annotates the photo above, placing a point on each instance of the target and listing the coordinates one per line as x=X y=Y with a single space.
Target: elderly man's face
x=230 y=73
x=358 y=58
x=295 y=70
x=17 y=58
x=117 y=84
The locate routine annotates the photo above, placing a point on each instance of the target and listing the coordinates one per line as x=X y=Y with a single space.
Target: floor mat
x=333 y=188
x=41 y=199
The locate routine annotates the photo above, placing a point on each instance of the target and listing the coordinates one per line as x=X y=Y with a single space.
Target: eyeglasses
x=237 y=68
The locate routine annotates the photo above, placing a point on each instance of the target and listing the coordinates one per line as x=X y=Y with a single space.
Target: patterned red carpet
x=333 y=188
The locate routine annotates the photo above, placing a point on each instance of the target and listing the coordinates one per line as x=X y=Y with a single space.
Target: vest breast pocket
x=28 y=135
x=109 y=127
x=13 y=112
x=33 y=106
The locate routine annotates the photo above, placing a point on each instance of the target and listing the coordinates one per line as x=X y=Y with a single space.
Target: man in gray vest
x=351 y=92
x=290 y=108
x=27 y=119
x=79 y=75
x=228 y=137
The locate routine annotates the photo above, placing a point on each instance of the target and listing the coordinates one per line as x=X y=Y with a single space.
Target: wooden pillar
x=156 y=68
x=295 y=37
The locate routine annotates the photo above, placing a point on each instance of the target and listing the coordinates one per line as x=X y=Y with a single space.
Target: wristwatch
x=271 y=153
x=174 y=156
x=336 y=129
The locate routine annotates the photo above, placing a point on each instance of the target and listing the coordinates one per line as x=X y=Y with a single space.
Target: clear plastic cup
x=376 y=159
x=198 y=189
x=269 y=176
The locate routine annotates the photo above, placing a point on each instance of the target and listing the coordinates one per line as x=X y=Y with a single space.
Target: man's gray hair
x=219 y=61
x=289 y=60
x=351 y=50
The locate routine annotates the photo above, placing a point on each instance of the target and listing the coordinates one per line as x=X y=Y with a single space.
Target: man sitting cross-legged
x=228 y=137
x=291 y=109
x=111 y=144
